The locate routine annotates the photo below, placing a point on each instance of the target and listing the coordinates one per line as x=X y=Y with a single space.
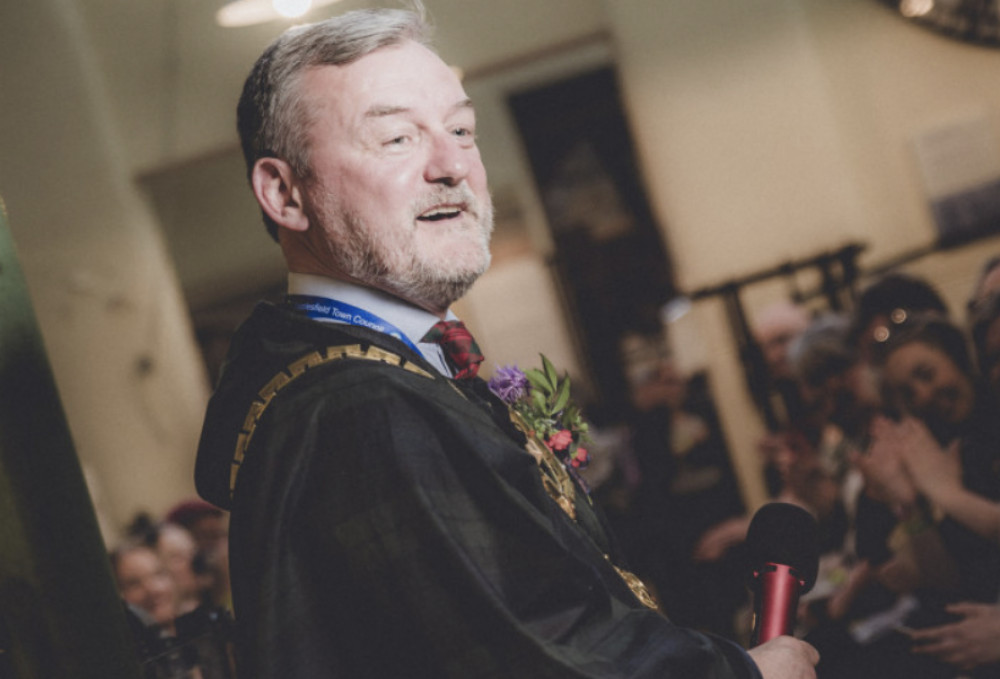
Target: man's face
x=397 y=196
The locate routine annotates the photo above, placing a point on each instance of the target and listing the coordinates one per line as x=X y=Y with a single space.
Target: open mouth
x=442 y=213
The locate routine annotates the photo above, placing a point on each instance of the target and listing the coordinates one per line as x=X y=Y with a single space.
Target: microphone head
x=786 y=534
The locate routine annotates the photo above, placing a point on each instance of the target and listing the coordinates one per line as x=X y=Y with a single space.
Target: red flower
x=581 y=458
x=560 y=440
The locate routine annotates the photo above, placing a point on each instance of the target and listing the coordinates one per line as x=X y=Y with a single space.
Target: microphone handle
x=776 y=603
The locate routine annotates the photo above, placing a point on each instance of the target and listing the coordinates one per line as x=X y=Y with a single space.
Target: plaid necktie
x=461 y=350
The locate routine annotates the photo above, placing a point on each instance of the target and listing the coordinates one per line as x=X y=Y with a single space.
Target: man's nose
x=448 y=161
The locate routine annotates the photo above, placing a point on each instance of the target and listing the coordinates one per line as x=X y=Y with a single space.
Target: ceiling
x=173 y=75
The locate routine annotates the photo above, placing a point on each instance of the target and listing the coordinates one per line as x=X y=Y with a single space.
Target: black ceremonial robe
x=385 y=523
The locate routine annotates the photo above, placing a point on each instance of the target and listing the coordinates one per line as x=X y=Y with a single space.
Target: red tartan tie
x=459 y=347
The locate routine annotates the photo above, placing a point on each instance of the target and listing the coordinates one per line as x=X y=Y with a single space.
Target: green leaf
x=539 y=381
x=550 y=372
x=563 y=397
x=539 y=401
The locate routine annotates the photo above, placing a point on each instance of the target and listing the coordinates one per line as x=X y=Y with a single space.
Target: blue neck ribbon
x=323 y=308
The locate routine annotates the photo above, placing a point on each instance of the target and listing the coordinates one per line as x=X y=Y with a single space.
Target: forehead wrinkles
x=319 y=104
x=323 y=90
x=341 y=101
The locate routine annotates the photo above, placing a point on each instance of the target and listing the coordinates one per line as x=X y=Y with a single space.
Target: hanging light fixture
x=249 y=12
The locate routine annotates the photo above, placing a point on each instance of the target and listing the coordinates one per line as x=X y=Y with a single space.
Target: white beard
x=403 y=266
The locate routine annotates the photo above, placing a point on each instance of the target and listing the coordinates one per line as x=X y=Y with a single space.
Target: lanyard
x=341 y=312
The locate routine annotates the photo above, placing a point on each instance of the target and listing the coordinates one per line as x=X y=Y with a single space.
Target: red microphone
x=783 y=552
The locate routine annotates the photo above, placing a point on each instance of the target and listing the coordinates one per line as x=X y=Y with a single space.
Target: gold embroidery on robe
x=561 y=488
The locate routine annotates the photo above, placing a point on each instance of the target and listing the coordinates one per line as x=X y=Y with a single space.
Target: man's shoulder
x=280 y=358
x=286 y=368
x=274 y=337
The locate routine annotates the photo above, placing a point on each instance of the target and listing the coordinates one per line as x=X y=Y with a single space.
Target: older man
x=388 y=519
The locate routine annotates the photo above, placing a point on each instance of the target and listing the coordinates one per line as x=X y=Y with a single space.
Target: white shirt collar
x=411 y=320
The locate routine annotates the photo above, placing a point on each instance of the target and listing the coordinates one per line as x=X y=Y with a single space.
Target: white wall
x=105 y=295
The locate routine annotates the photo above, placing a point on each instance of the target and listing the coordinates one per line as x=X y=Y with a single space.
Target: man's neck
x=410 y=320
x=356 y=293
x=336 y=278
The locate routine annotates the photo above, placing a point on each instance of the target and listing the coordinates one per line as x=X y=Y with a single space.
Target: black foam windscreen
x=783 y=533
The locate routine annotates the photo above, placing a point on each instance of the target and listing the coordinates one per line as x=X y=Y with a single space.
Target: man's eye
x=397 y=141
x=464 y=132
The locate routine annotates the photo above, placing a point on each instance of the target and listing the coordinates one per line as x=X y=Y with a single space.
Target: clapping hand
x=971 y=642
x=882 y=465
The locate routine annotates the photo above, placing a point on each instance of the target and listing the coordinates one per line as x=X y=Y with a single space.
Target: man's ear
x=279 y=193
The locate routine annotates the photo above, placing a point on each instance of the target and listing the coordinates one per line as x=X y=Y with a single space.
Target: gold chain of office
x=556 y=480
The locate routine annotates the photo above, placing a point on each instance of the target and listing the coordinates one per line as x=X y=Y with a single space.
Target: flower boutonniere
x=542 y=399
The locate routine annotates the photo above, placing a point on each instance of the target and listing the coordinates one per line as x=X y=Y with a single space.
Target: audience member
x=775 y=328
x=686 y=486
x=804 y=463
x=933 y=391
x=799 y=478
x=144 y=582
x=985 y=331
x=179 y=552
x=926 y=468
x=972 y=641
x=937 y=472
x=834 y=362
x=886 y=303
x=843 y=395
x=209 y=526
x=177 y=632
x=835 y=381
x=986 y=285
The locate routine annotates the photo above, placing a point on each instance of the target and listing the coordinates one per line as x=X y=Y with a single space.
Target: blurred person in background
x=178 y=632
x=936 y=407
x=985 y=330
x=775 y=329
x=145 y=583
x=987 y=285
x=886 y=303
x=686 y=485
x=209 y=526
x=972 y=641
x=179 y=552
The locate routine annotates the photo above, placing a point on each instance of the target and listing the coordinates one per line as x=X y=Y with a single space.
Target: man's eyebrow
x=378 y=111
x=384 y=110
x=464 y=104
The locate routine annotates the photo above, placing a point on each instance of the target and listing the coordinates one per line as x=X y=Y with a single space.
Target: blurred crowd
x=889 y=435
x=173 y=576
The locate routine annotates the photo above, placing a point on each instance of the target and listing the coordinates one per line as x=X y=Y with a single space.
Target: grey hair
x=822 y=350
x=272 y=117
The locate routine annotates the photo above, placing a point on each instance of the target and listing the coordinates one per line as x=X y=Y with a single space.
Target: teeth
x=440 y=213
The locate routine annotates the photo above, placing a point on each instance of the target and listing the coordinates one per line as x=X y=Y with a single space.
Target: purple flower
x=509 y=384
